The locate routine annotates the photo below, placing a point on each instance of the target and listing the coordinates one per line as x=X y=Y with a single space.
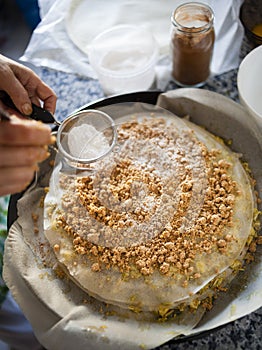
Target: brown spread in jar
x=192 y=44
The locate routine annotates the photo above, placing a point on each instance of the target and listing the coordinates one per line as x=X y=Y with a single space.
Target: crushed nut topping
x=135 y=218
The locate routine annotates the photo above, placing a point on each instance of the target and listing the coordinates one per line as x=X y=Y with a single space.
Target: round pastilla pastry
x=161 y=224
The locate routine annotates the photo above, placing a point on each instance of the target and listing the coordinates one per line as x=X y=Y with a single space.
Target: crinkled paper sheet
x=64 y=317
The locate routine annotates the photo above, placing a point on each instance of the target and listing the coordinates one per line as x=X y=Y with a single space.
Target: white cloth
x=69 y=24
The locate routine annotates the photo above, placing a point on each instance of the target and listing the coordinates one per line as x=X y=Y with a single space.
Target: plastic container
x=124 y=59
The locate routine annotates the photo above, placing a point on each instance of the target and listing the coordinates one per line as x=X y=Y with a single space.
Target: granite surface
x=75 y=91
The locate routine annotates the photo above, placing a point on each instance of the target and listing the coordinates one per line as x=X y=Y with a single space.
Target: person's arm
x=23 y=142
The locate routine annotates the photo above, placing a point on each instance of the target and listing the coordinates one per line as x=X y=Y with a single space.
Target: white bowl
x=124 y=59
x=249 y=82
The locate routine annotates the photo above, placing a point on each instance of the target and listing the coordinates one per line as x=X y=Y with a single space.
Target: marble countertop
x=73 y=92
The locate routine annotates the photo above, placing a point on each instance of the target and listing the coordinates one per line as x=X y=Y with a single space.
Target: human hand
x=24 y=87
x=23 y=144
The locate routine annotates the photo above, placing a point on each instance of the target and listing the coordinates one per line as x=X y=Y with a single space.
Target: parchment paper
x=63 y=316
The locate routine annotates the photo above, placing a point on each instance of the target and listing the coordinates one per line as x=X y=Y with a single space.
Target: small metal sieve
x=82 y=138
x=86 y=137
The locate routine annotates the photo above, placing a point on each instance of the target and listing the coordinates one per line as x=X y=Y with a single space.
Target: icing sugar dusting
x=86 y=142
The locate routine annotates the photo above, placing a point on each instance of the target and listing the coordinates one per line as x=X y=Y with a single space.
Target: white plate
x=249 y=82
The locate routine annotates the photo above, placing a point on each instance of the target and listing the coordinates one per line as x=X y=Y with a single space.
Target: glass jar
x=192 y=43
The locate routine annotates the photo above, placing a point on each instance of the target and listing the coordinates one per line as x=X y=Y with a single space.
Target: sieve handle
x=38 y=113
